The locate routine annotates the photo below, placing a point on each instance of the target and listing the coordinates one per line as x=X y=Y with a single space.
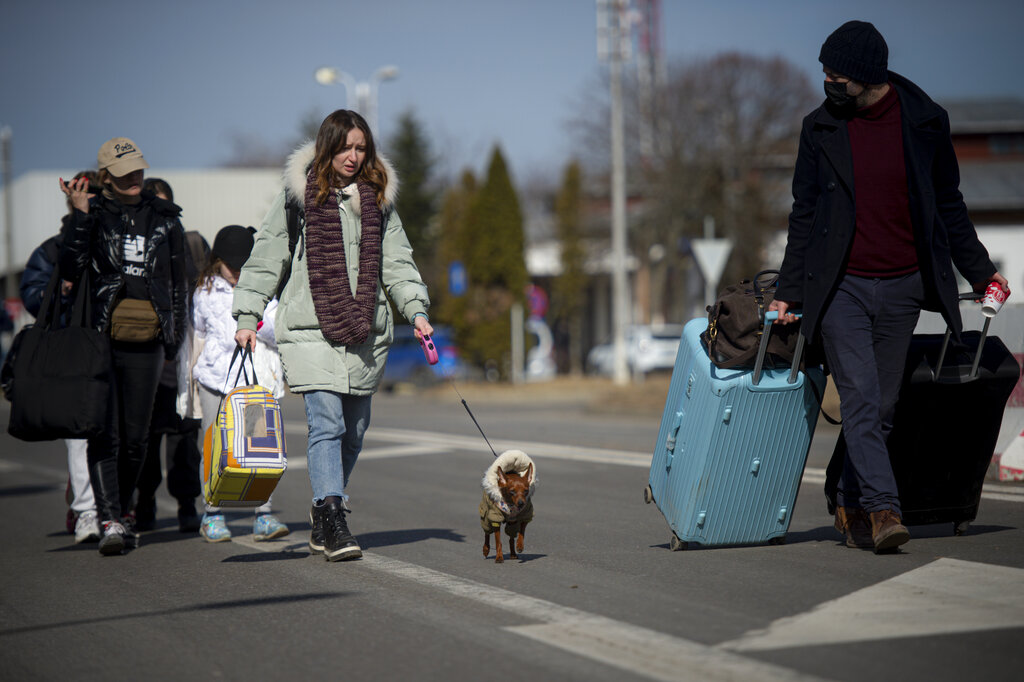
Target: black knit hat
x=858 y=51
x=233 y=244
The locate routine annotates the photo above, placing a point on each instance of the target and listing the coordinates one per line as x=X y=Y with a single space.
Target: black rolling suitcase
x=945 y=427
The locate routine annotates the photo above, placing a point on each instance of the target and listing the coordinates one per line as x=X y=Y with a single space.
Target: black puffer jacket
x=96 y=240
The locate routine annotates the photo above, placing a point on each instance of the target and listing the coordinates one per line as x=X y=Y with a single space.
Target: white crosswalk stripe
x=432 y=442
x=640 y=651
x=943 y=597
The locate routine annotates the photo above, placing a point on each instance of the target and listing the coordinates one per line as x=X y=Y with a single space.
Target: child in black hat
x=213 y=347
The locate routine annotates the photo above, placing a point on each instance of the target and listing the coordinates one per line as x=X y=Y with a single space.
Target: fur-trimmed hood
x=299 y=161
x=510 y=460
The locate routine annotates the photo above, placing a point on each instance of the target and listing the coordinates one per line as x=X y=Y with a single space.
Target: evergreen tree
x=409 y=152
x=493 y=244
x=570 y=286
x=452 y=246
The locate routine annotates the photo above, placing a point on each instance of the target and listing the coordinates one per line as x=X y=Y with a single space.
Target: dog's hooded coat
x=493 y=509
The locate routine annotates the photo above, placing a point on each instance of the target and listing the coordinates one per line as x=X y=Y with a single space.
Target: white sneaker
x=87 y=527
x=112 y=541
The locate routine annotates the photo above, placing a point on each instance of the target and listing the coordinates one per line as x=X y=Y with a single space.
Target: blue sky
x=183 y=78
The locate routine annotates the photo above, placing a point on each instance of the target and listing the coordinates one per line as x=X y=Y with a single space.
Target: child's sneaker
x=268 y=527
x=112 y=541
x=214 y=528
x=87 y=527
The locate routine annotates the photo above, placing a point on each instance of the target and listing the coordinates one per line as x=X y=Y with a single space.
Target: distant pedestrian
x=130 y=244
x=81 y=518
x=878 y=223
x=334 y=323
x=214 y=345
x=167 y=428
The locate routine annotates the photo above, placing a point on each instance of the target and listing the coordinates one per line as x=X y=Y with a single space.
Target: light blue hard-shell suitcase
x=732 y=445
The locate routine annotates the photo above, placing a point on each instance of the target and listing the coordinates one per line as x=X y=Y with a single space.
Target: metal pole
x=365 y=107
x=620 y=285
x=518 y=344
x=10 y=287
x=709 y=286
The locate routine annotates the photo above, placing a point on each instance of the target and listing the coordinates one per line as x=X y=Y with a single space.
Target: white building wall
x=210 y=199
x=1005 y=244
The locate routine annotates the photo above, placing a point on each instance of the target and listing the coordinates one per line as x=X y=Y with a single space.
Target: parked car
x=648 y=349
x=406 y=363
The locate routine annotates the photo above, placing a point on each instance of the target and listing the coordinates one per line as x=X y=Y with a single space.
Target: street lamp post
x=613 y=47
x=364 y=94
x=10 y=286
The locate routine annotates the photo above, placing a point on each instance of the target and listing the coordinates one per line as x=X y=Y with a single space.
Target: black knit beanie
x=858 y=51
x=233 y=244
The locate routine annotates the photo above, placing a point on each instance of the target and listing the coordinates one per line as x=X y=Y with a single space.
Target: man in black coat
x=878 y=223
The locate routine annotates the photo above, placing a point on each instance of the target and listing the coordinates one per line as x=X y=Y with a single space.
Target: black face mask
x=837 y=94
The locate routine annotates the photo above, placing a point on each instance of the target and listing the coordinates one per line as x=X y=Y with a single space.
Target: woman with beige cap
x=131 y=246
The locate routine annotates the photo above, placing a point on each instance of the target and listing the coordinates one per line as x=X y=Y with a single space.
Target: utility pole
x=10 y=286
x=613 y=47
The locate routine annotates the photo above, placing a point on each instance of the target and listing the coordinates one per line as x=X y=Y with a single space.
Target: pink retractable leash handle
x=429 y=350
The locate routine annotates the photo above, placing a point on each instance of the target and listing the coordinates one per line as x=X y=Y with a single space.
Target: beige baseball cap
x=120 y=156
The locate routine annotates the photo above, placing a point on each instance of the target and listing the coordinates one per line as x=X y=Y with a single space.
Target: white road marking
x=299 y=461
x=638 y=650
x=7 y=466
x=812 y=475
x=475 y=443
x=943 y=597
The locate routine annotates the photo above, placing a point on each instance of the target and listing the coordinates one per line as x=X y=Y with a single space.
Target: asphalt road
x=597 y=594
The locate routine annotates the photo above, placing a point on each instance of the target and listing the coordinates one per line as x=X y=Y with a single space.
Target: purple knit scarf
x=343 y=318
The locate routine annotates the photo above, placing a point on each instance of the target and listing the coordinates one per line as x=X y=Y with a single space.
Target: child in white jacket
x=211 y=351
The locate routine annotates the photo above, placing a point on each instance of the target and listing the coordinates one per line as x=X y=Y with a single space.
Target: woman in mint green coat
x=334 y=324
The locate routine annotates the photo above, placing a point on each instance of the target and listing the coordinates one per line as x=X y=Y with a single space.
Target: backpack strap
x=295 y=216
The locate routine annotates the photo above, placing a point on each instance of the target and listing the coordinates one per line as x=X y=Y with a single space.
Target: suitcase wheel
x=961 y=527
x=781 y=540
x=675 y=544
x=648 y=495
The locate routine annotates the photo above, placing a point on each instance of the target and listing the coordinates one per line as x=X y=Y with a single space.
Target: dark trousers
x=182 y=444
x=866 y=332
x=116 y=457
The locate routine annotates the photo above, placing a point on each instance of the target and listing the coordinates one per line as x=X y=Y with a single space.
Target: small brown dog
x=508 y=486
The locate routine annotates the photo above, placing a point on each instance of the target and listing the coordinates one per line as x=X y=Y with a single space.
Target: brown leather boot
x=853 y=522
x=887 y=530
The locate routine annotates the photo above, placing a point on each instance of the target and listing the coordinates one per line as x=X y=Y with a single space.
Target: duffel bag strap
x=246 y=353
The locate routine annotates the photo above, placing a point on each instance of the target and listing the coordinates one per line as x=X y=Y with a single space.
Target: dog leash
x=466 y=405
x=431 y=354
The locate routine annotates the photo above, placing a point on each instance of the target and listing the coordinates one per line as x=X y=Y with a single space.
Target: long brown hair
x=330 y=139
x=210 y=270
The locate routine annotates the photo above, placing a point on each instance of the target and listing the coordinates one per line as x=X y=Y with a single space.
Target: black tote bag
x=60 y=375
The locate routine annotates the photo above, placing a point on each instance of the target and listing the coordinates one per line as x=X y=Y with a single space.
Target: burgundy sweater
x=883 y=244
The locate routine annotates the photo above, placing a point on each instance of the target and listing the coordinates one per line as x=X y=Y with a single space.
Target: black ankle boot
x=145 y=513
x=188 y=518
x=339 y=545
x=316 y=528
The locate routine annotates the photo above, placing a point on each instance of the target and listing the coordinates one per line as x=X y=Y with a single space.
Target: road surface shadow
x=298 y=550
x=830 y=534
x=406 y=537
x=196 y=608
x=23 y=490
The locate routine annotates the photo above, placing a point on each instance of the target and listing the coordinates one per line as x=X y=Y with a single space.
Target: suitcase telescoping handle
x=762 y=348
x=964 y=296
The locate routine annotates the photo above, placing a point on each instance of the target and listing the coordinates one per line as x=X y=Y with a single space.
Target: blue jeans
x=337 y=423
x=866 y=331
